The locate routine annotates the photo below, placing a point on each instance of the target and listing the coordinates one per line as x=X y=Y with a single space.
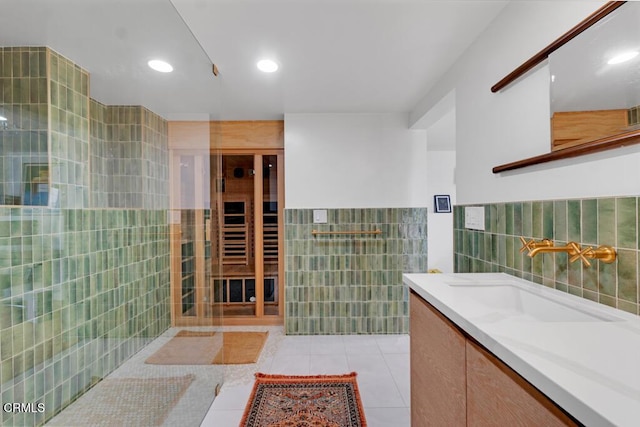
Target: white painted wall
x=354 y=161
x=440 y=178
x=441 y=165
x=493 y=129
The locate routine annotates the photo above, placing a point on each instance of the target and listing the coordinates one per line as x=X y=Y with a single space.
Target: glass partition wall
x=87 y=226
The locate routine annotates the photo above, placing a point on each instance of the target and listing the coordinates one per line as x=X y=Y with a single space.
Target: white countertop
x=590 y=366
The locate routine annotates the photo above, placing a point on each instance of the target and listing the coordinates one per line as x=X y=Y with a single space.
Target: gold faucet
x=571 y=248
x=604 y=253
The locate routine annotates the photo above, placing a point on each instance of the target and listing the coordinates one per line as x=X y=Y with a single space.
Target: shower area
x=111 y=230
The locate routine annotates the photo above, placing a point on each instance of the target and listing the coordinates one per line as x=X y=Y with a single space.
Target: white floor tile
x=368 y=365
x=361 y=344
x=290 y=365
x=327 y=344
x=234 y=397
x=294 y=345
x=398 y=365
x=380 y=393
x=324 y=364
x=393 y=343
x=226 y=418
x=388 y=417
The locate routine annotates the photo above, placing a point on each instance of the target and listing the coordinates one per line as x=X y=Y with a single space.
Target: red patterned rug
x=304 y=401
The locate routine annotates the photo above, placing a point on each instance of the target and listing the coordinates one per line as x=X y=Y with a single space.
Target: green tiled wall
x=24 y=103
x=99 y=153
x=80 y=292
x=137 y=150
x=341 y=284
x=589 y=222
x=69 y=131
x=45 y=98
x=129 y=157
x=154 y=161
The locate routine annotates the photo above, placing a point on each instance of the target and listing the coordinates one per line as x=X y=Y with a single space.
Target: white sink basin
x=506 y=296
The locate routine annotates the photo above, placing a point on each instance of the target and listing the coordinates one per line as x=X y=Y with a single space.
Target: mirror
x=595 y=81
x=588 y=88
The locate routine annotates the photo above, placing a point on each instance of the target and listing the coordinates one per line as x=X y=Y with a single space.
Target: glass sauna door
x=250 y=232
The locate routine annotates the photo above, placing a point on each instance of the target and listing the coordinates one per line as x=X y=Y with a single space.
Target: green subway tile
x=575 y=290
x=548 y=266
x=590 y=278
x=518 y=257
x=574 y=224
x=626 y=223
x=607 y=300
x=5 y=222
x=536 y=220
x=501 y=219
x=491 y=218
x=509 y=219
x=589 y=223
x=547 y=219
x=606 y=278
x=494 y=249
x=575 y=275
x=561 y=267
x=510 y=252
x=607 y=221
x=517 y=219
x=562 y=287
x=560 y=228
x=627 y=272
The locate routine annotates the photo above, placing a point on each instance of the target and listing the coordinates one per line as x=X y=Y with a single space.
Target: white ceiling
x=334 y=55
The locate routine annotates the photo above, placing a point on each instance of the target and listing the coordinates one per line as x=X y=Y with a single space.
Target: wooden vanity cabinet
x=456 y=382
x=438 y=377
x=498 y=396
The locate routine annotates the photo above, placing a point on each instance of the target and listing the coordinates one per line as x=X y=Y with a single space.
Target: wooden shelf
x=604 y=144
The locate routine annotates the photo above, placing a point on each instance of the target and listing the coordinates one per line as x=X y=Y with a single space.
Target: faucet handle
x=581 y=254
x=532 y=244
x=526 y=246
x=603 y=253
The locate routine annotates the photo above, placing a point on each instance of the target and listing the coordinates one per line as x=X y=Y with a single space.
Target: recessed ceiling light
x=623 y=57
x=267 y=66
x=162 y=66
